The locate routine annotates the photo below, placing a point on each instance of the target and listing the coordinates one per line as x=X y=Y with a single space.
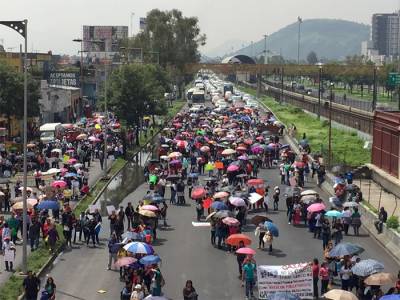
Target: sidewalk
x=95 y=173
x=376 y=196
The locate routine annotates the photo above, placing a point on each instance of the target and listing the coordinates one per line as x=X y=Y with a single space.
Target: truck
x=50 y=132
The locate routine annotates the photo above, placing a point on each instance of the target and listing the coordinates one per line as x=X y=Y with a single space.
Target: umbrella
x=125 y=261
x=220 y=195
x=299 y=164
x=234 y=239
x=233 y=168
x=308 y=198
x=223 y=214
x=343 y=249
x=308 y=192
x=367 y=267
x=175 y=162
x=272 y=228
x=130 y=235
x=333 y=213
x=48 y=204
x=94 y=139
x=260 y=219
x=147 y=213
x=72 y=161
x=31 y=145
x=380 y=279
x=350 y=204
x=156 y=198
x=336 y=294
x=150 y=260
x=193 y=175
x=245 y=250
x=28 y=189
x=243 y=157
x=256 y=181
x=237 y=201
x=174 y=155
x=217 y=205
x=210 y=216
x=316 y=207
x=59 y=184
x=150 y=207
x=390 y=297
x=257 y=149
x=78 y=166
x=198 y=192
x=71 y=175
x=173 y=177
x=282 y=296
x=151 y=297
x=230 y=221
x=31 y=201
x=228 y=152
x=20 y=205
x=210 y=178
x=241 y=148
x=139 y=248
x=56 y=151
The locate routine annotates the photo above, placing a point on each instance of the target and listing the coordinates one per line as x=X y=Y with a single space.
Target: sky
x=52 y=24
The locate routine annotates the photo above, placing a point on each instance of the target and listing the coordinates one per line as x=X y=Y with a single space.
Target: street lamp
x=265 y=49
x=299 y=20
x=319 y=89
x=375 y=90
x=22 y=28
x=330 y=125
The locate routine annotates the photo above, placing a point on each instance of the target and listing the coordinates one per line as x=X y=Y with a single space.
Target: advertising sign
x=64 y=78
x=295 y=279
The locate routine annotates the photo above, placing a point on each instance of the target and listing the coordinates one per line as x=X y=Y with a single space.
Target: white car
x=220 y=102
x=251 y=104
x=236 y=98
x=197 y=108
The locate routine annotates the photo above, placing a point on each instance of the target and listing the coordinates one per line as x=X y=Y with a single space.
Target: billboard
x=63 y=78
x=142 y=23
x=103 y=38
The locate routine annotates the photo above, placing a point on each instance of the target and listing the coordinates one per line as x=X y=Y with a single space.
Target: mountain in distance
x=225 y=48
x=330 y=39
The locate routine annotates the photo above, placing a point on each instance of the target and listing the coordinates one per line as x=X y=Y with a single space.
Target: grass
x=370 y=206
x=12 y=288
x=347 y=148
x=174 y=109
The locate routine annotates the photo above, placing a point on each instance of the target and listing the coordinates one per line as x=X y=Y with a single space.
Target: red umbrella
x=198 y=193
x=177 y=125
x=234 y=239
x=246 y=250
x=59 y=183
x=181 y=144
x=248 y=141
x=207 y=203
x=256 y=181
x=299 y=164
x=72 y=161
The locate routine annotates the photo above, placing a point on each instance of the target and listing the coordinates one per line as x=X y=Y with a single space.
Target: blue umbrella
x=193 y=175
x=157 y=198
x=333 y=213
x=246 y=119
x=130 y=235
x=272 y=228
x=367 y=267
x=48 y=204
x=282 y=296
x=391 y=297
x=217 y=205
x=343 y=249
x=71 y=175
x=150 y=260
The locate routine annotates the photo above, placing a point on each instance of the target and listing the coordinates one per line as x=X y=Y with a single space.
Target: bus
x=198 y=97
x=228 y=87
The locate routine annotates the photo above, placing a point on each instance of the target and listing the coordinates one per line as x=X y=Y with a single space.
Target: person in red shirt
x=324 y=276
x=315 y=274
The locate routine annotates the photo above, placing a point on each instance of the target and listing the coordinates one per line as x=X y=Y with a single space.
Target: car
x=236 y=98
x=251 y=104
x=220 y=102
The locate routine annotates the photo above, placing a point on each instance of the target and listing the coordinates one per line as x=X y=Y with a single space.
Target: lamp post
x=330 y=125
x=375 y=90
x=81 y=64
x=319 y=89
x=265 y=49
x=299 y=20
x=22 y=28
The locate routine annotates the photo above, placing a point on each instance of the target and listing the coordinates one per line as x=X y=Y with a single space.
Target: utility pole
x=319 y=90
x=375 y=91
x=106 y=122
x=299 y=19
x=265 y=49
x=330 y=127
x=281 y=98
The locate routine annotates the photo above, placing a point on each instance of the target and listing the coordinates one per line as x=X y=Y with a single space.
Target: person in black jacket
x=382 y=219
x=129 y=214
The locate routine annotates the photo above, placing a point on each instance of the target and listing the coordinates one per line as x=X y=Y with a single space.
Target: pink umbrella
x=94 y=139
x=150 y=207
x=316 y=207
x=205 y=149
x=257 y=150
x=59 y=183
x=236 y=201
x=259 y=138
x=72 y=161
x=198 y=193
x=230 y=221
x=246 y=250
x=63 y=170
x=181 y=144
x=232 y=168
x=125 y=261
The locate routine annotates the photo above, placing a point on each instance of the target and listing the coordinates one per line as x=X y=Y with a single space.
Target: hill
x=224 y=49
x=330 y=39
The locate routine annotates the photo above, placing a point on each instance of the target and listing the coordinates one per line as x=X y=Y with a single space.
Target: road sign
x=394 y=79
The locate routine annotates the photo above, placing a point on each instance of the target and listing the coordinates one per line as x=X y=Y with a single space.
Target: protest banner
x=295 y=279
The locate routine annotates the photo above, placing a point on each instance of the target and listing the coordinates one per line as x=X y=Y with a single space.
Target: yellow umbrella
x=380 y=279
x=336 y=294
x=147 y=213
x=19 y=205
x=97 y=126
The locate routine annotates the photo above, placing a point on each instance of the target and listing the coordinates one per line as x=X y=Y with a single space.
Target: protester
x=31 y=286
x=189 y=292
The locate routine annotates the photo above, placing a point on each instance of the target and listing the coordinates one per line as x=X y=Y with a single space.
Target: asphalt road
x=187 y=254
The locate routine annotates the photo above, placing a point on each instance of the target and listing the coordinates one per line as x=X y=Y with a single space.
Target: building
x=103 y=41
x=386 y=34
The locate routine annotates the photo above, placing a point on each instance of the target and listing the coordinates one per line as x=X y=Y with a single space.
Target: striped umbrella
x=343 y=249
x=139 y=248
x=367 y=267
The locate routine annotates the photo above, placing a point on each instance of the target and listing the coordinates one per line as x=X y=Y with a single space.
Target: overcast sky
x=54 y=23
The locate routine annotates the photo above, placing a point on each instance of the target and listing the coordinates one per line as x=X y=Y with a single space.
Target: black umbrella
x=173 y=177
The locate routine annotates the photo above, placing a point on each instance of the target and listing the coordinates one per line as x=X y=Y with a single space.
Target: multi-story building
x=386 y=34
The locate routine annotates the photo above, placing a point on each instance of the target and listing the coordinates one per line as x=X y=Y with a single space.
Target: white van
x=50 y=131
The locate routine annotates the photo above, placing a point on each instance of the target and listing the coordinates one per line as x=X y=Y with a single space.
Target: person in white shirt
x=137 y=293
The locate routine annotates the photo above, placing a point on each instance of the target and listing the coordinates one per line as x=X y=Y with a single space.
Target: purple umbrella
x=175 y=162
x=243 y=157
x=257 y=150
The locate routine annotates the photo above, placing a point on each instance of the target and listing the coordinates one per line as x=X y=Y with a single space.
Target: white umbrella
x=308 y=192
x=52 y=171
x=56 y=151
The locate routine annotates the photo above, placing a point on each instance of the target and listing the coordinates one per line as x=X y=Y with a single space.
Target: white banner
x=295 y=279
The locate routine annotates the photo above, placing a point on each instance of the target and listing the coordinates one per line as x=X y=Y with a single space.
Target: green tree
x=12 y=94
x=137 y=90
x=312 y=58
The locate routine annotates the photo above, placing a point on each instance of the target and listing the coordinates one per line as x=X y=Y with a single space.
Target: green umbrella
x=201 y=132
x=209 y=167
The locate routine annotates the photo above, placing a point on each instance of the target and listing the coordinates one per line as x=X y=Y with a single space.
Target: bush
x=393 y=222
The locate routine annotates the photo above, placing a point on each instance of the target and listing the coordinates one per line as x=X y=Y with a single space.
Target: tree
x=137 y=90
x=312 y=58
x=12 y=94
